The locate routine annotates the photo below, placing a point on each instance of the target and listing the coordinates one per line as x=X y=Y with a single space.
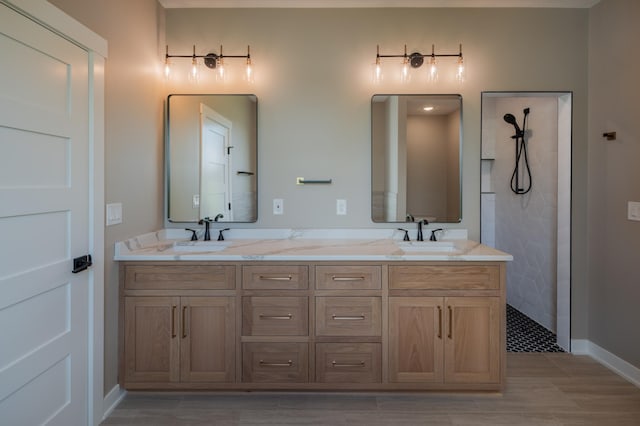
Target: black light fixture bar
x=416 y=59
x=210 y=59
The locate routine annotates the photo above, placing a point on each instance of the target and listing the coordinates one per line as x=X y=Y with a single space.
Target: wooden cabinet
x=179 y=339
x=444 y=339
x=388 y=325
x=171 y=338
x=446 y=324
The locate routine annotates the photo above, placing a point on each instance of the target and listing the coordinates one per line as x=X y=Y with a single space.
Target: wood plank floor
x=542 y=389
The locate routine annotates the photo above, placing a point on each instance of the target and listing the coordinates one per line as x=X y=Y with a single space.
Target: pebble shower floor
x=526 y=335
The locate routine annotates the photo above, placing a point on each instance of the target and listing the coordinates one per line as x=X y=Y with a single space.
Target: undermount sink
x=430 y=246
x=200 y=246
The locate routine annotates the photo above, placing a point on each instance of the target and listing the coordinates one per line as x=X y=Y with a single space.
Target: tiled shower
x=529 y=226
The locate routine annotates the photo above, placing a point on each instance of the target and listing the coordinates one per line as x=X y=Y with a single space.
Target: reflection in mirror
x=211 y=157
x=416 y=143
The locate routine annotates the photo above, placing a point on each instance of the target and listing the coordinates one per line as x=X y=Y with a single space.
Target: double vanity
x=311 y=310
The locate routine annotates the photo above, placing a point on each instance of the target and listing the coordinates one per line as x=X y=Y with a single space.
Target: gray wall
x=313 y=72
x=614 y=178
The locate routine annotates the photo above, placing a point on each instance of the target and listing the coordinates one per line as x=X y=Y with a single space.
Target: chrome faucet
x=420 y=222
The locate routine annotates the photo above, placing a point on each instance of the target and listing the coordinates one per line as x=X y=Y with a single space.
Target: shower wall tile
x=525 y=225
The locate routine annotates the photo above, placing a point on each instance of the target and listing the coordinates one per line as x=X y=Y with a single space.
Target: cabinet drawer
x=348 y=362
x=348 y=316
x=180 y=277
x=285 y=277
x=275 y=316
x=442 y=277
x=348 y=278
x=275 y=362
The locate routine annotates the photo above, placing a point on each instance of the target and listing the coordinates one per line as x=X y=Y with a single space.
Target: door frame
x=65 y=26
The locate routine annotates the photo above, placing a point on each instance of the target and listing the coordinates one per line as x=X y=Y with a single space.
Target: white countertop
x=307 y=245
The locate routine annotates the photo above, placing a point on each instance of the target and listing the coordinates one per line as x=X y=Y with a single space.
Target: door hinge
x=81 y=263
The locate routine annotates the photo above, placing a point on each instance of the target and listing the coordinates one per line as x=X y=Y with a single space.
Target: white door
x=215 y=150
x=44 y=224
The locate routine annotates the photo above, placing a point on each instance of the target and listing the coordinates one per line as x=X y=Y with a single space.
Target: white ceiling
x=374 y=3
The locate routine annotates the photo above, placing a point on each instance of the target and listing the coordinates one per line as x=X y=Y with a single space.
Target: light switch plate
x=633 y=210
x=114 y=214
x=278 y=206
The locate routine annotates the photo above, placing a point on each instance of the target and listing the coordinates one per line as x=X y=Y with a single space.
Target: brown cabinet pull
x=334 y=278
x=287 y=278
x=276 y=364
x=439 y=322
x=173 y=321
x=184 y=322
x=348 y=317
x=277 y=317
x=347 y=364
x=450 y=336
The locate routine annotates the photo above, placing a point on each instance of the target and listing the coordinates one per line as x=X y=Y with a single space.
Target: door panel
x=44 y=223
x=472 y=349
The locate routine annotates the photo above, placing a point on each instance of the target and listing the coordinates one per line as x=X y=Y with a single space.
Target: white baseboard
x=112 y=400
x=606 y=358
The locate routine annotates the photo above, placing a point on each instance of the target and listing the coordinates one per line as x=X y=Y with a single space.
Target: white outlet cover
x=341 y=207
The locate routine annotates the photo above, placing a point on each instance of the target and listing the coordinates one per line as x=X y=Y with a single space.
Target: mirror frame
x=167 y=156
x=378 y=201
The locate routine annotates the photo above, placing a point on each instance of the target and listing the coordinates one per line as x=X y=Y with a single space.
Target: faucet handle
x=194 y=236
x=220 y=236
x=406 y=234
x=433 y=234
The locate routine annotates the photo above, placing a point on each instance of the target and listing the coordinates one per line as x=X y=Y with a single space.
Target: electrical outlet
x=341 y=207
x=278 y=206
x=196 y=201
x=633 y=210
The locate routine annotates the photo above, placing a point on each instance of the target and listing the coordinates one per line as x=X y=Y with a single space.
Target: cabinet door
x=416 y=339
x=472 y=344
x=152 y=345
x=207 y=336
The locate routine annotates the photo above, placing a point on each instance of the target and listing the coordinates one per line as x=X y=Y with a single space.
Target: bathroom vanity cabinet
x=313 y=325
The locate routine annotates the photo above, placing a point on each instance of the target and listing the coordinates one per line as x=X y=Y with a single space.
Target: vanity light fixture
x=213 y=61
x=415 y=60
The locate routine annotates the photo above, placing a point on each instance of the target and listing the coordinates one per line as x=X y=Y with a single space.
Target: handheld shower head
x=509 y=118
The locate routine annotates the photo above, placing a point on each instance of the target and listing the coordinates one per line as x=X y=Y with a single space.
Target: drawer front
x=180 y=277
x=275 y=362
x=348 y=277
x=348 y=316
x=275 y=316
x=275 y=277
x=348 y=362
x=442 y=277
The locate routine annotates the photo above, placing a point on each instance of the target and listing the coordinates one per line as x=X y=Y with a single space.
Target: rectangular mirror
x=416 y=146
x=211 y=157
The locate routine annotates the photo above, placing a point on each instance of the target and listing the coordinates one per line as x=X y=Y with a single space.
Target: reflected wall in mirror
x=416 y=143
x=211 y=154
